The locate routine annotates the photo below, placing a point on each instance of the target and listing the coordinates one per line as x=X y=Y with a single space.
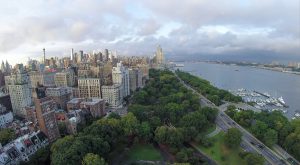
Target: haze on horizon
x=132 y=27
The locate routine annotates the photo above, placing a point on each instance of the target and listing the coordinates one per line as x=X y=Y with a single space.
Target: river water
x=232 y=77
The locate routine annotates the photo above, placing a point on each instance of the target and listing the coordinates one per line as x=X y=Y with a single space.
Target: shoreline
x=253 y=66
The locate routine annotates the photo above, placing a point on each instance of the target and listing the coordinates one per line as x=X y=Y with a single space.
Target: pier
x=261 y=94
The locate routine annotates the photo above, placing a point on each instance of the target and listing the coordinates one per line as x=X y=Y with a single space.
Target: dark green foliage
x=42 y=156
x=233 y=138
x=214 y=94
x=93 y=159
x=254 y=159
x=169 y=136
x=114 y=115
x=271 y=128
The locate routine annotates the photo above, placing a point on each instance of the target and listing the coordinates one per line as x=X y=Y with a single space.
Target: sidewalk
x=215 y=132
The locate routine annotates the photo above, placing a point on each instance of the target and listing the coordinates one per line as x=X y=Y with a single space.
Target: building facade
x=60 y=95
x=19 y=89
x=112 y=94
x=65 y=78
x=89 y=87
x=120 y=75
x=135 y=79
x=45 y=112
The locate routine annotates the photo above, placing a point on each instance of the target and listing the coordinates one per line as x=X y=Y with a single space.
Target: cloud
x=136 y=27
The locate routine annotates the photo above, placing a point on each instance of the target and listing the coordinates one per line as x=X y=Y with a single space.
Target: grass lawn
x=220 y=153
x=144 y=152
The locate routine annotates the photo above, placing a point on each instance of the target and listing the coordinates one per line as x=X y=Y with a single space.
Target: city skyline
x=135 y=28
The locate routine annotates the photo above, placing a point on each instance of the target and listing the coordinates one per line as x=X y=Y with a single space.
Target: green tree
x=129 y=124
x=7 y=135
x=233 y=137
x=62 y=128
x=259 y=129
x=93 y=159
x=114 y=115
x=145 y=131
x=169 y=136
x=270 y=137
x=42 y=156
x=181 y=156
x=254 y=159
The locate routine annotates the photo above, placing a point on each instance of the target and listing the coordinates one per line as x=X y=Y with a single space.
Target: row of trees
x=212 y=93
x=271 y=128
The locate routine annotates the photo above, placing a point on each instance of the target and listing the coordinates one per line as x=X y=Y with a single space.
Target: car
x=260 y=146
x=252 y=143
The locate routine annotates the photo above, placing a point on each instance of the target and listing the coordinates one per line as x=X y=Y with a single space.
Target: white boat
x=267 y=94
x=179 y=65
x=278 y=105
x=280 y=99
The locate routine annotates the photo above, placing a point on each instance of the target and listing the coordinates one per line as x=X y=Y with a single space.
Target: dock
x=284 y=105
x=261 y=94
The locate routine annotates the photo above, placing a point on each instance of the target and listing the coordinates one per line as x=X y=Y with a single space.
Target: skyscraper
x=106 y=54
x=72 y=55
x=44 y=59
x=159 y=55
x=120 y=75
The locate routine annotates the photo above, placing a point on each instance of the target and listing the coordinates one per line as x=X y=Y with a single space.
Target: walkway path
x=215 y=132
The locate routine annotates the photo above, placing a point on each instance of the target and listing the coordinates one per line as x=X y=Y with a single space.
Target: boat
x=179 y=65
x=280 y=99
x=267 y=94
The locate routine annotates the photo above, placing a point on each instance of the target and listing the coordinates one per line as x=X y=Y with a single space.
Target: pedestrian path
x=215 y=132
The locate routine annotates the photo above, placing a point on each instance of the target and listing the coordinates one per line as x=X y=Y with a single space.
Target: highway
x=249 y=142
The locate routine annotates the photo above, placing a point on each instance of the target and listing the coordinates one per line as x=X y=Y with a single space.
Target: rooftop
x=92 y=101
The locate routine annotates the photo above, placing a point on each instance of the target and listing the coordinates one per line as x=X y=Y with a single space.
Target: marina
x=260 y=100
x=271 y=90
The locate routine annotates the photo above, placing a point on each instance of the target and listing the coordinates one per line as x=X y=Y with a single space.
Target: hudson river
x=231 y=77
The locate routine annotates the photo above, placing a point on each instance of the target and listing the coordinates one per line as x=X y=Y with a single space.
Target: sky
x=134 y=27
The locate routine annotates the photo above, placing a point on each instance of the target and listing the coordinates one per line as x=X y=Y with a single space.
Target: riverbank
x=233 y=77
x=259 y=66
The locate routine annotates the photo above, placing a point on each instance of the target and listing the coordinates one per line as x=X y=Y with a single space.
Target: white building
x=19 y=89
x=120 y=75
x=113 y=95
x=89 y=87
x=65 y=78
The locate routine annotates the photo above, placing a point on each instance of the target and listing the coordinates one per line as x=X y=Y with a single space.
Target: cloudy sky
x=134 y=27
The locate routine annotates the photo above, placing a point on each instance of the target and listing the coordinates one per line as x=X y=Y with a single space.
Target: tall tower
x=159 y=55
x=72 y=54
x=44 y=51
